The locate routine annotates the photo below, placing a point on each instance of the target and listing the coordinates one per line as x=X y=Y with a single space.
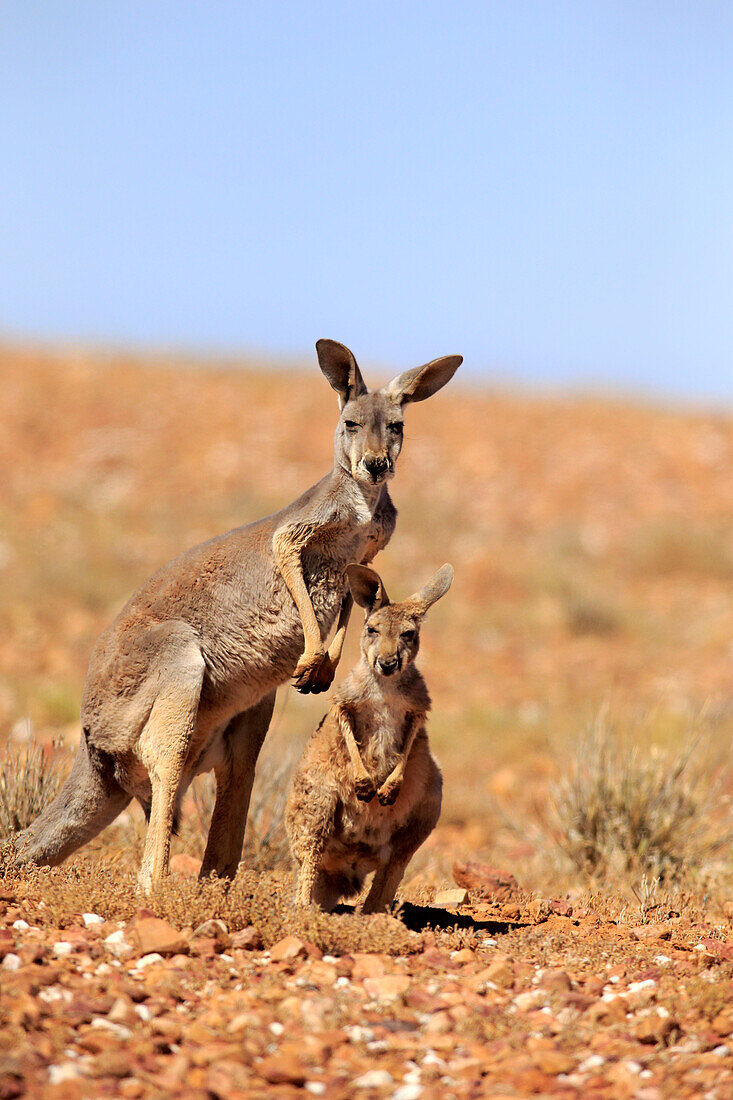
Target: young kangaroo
x=372 y=742
x=184 y=679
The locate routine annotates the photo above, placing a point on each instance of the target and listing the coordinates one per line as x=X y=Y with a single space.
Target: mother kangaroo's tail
x=90 y=799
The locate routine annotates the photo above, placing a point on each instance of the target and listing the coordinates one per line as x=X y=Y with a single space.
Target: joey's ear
x=341 y=369
x=366 y=587
x=436 y=587
x=422 y=382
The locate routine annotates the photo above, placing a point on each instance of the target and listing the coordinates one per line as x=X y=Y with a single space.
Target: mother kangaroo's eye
x=395 y=426
x=350 y=425
x=408 y=635
x=371 y=631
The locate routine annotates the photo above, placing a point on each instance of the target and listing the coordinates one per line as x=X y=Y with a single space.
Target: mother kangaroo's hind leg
x=163 y=748
x=234 y=777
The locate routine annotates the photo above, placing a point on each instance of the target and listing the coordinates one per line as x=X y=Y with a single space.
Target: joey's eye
x=371 y=631
x=408 y=635
x=350 y=425
x=395 y=426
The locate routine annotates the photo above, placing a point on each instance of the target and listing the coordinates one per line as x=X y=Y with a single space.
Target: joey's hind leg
x=309 y=819
x=384 y=885
x=405 y=842
x=163 y=748
x=234 y=777
x=309 y=872
x=332 y=887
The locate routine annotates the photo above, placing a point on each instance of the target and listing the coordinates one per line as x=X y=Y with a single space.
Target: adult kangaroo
x=184 y=679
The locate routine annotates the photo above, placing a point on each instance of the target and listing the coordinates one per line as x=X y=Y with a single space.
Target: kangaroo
x=372 y=742
x=184 y=679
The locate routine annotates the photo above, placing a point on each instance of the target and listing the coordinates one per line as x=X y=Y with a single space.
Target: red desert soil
x=592 y=540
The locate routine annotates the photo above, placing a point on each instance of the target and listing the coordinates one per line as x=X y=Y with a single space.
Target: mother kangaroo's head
x=368 y=436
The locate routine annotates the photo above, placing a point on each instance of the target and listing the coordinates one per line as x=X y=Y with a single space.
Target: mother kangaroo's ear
x=436 y=587
x=422 y=382
x=341 y=369
x=366 y=587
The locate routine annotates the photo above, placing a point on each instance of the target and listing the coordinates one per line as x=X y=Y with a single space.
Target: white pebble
x=149 y=960
x=593 y=1061
x=116 y=944
x=358 y=1034
x=317 y=1088
x=65 y=1072
x=109 y=1025
x=92 y=918
x=21 y=925
x=11 y=961
x=54 y=993
x=277 y=1028
x=639 y=987
x=62 y=949
x=533 y=998
x=722 y=1051
x=408 y=1092
x=374 y=1079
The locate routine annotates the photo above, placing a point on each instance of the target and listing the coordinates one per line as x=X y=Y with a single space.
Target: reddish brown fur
x=367 y=791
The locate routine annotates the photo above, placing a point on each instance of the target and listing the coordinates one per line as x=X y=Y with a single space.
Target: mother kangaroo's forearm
x=288 y=544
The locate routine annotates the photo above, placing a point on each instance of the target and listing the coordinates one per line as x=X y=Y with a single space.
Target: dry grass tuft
x=625 y=811
x=262 y=899
x=29 y=779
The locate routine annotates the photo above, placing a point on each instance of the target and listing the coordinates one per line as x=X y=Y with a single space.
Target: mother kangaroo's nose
x=376 y=464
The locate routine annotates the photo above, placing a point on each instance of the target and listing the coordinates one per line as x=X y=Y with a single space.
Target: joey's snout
x=388 y=665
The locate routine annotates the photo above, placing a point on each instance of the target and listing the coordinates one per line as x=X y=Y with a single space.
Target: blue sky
x=544 y=187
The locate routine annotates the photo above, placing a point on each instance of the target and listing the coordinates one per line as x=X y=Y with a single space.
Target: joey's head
x=369 y=433
x=391 y=636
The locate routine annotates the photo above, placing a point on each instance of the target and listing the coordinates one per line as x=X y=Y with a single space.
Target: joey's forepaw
x=307 y=676
x=388 y=793
x=364 y=789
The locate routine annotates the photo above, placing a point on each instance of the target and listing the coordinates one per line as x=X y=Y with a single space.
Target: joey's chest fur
x=380 y=725
x=379 y=730
x=365 y=830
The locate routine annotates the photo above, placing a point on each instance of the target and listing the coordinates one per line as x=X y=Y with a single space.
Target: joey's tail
x=90 y=799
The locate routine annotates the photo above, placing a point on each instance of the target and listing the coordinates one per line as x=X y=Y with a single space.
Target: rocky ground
x=545 y=998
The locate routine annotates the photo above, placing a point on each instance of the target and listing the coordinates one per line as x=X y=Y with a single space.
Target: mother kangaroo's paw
x=314 y=672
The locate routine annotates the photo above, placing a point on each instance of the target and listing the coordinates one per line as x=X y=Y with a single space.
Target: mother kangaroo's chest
x=324 y=565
